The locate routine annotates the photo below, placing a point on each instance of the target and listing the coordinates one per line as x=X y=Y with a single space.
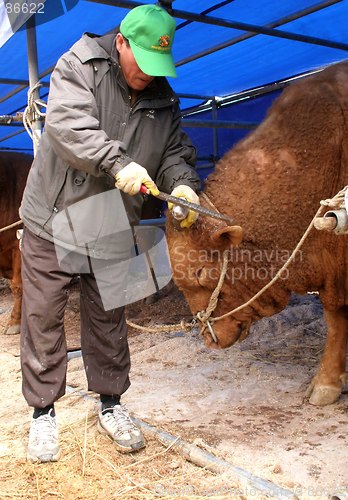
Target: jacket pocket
x=57 y=186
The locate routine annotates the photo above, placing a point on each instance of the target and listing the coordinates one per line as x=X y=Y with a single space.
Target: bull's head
x=196 y=259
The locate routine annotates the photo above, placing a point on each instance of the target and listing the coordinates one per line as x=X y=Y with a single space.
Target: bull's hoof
x=13 y=330
x=322 y=395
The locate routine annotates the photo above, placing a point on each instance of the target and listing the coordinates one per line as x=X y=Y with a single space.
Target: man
x=111 y=118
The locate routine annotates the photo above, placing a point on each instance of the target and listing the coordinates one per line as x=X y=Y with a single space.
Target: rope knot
x=33 y=113
x=338 y=201
x=203 y=316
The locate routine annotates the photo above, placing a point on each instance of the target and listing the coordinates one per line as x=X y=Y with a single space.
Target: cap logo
x=164 y=41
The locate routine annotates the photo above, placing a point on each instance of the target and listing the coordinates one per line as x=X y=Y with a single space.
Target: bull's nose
x=224 y=337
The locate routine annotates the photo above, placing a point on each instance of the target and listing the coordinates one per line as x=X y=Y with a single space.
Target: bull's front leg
x=14 y=325
x=326 y=386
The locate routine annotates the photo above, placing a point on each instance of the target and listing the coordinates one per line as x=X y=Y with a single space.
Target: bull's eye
x=206 y=277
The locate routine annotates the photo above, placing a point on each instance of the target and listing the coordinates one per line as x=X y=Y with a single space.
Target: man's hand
x=131 y=177
x=188 y=194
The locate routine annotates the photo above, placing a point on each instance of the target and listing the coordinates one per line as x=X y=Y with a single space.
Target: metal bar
x=12 y=93
x=205 y=158
x=203 y=458
x=246 y=36
x=161 y=221
x=3 y=122
x=204 y=12
x=272 y=87
x=16 y=149
x=207 y=165
x=216 y=21
x=249 y=94
x=214 y=114
x=196 y=96
x=9 y=136
x=218 y=124
x=15 y=81
x=9 y=120
x=181 y=202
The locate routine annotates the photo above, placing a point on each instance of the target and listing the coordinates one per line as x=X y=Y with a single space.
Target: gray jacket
x=91 y=132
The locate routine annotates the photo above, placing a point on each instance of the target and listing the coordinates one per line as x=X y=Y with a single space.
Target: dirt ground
x=244 y=405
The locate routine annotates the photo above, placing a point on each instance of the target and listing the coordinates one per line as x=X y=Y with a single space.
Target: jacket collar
x=91 y=46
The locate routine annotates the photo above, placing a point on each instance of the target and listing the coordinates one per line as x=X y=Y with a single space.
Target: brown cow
x=14 y=168
x=272 y=183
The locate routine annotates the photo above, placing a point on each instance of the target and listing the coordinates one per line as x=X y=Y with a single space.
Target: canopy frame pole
x=214 y=114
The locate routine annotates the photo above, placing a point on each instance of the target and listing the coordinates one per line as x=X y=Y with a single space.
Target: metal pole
x=243 y=96
x=215 y=124
x=12 y=93
x=214 y=114
x=206 y=11
x=13 y=134
x=203 y=458
x=33 y=73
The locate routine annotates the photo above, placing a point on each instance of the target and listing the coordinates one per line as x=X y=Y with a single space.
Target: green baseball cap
x=150 y=31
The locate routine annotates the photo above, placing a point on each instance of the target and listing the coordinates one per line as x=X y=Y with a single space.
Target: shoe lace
x=44 y=427
x=120 y=420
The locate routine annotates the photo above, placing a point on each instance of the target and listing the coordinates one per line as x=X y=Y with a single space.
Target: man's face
x=133 y=75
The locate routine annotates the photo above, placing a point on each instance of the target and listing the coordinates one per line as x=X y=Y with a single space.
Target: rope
x=14 y=224
x=203 y=316
x=31 y=112
x=178 y=327
x=338 y=201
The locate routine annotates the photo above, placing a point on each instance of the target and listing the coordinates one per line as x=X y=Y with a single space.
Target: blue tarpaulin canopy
x=232 y=57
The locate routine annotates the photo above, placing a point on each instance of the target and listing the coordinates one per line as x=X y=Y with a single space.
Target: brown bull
x=14 y=168
x=271 y=184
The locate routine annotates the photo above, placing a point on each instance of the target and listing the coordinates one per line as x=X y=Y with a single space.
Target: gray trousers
x=104 y=341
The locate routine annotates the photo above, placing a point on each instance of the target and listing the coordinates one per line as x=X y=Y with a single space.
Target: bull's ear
x=228 y=235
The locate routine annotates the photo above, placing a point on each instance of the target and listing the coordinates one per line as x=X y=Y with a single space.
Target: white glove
x=130 y=178
x=187 y=194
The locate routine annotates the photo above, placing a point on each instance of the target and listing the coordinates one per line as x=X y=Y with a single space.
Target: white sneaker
x=43 y=439
x=120 y=427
